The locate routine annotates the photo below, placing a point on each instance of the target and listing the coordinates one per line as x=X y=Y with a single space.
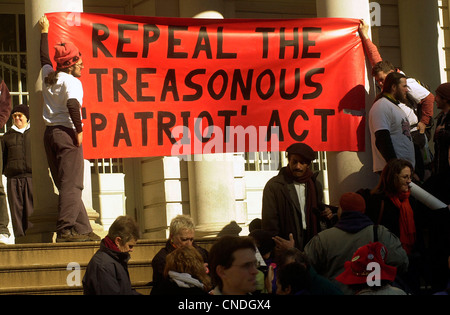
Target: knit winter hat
x=356 y=270
x=22 y=108
x=66 y=55
x=443 y=91
x=352 y=202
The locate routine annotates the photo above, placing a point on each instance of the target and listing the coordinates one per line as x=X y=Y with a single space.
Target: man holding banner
x=63 y=96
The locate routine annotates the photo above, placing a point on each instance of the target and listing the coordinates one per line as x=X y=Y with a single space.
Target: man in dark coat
x=293 y=200
x=107 y=272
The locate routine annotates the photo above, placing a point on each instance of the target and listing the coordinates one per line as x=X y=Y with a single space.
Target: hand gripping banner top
x=180 y=86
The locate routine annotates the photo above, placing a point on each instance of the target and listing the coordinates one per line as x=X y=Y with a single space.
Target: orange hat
x=352 y=202
x=356 y=270
x=66 y=55
x=443 y=91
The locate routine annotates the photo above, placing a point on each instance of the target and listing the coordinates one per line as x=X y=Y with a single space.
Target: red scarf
x=110 y=244
x=407 y=226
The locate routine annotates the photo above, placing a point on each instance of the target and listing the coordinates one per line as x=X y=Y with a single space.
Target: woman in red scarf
x=396 y=212
x=391 y=205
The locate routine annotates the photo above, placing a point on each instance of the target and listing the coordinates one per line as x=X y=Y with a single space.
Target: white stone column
x=212 y=192
x=211 y=179
x=349 y=171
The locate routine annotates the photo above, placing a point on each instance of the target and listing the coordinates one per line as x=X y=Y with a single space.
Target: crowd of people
x=381 y=240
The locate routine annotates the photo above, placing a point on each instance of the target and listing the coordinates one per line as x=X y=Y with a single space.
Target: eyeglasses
x=249 y=265
x=74 y=59
x=17 y=115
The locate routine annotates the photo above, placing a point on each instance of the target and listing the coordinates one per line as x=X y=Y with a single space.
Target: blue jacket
x=107 y=273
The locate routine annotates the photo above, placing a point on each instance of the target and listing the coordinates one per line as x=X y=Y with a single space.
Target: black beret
x=304 y=150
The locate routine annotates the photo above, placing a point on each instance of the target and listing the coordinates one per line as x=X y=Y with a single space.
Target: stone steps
x=46 y=268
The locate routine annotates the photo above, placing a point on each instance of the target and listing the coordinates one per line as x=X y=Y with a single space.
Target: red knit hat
x=352 y=202
x=443 y=91
x=66 y=55
x=356 y=270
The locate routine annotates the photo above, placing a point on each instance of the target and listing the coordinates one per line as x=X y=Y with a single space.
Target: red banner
x=181 y=86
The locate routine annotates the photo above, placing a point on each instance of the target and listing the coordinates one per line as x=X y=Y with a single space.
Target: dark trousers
x=20 y=199
x=66 y=163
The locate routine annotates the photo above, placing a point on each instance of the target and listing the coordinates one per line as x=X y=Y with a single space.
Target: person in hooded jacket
x=107 y=271
x=330 y=249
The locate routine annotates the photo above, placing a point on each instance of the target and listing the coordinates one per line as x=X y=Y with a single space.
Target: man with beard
x=292 y=206
x=389 y=125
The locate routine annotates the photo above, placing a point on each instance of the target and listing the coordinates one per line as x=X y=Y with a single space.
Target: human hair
x=392 y=79
x=382 y=66
x=187 y=259
x=292 y=255
x=222 y=253
x=124 y=227
x=389 y=181
x=52 y=77
x=179 y=223
x=294 y=275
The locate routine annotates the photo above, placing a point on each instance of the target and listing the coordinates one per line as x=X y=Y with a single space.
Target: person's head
x=68 y=58
x=181 y=231
x=292 y=255
x=187 y=259
x=292 y=278
x=264 y=241
x=395 y=84
x=255 y=224
x=124 y=232
x=351 y=202
x=357 y=270
x=381 y=70
x=233 y=264
x=300 y=156
x=20 y=115
x=443 y=97
x=395 y=177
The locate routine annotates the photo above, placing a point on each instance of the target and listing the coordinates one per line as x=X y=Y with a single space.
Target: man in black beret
x=292 y=205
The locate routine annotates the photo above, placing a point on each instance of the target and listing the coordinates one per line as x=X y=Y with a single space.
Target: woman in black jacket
x=185 y=273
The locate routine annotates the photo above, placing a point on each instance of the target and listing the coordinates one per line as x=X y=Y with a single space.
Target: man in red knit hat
x=330 y=249
x=63 y=97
